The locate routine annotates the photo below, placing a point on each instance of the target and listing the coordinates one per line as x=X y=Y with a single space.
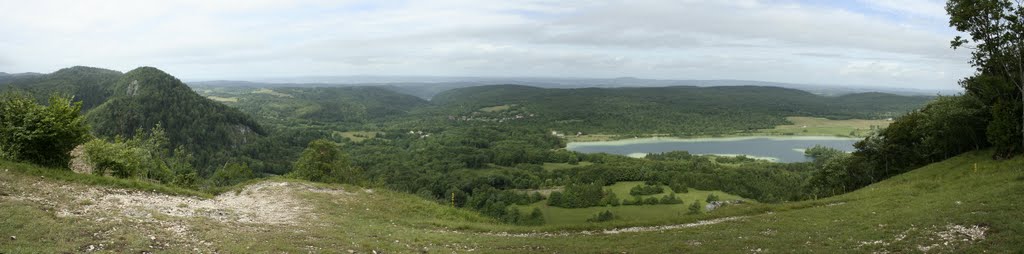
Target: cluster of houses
x=420 y=133
x=562 y=135
x=501 y=118
x=716 y=204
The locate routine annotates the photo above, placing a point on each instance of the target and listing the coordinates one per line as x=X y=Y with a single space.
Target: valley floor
x=802 y=126
x=941 y=208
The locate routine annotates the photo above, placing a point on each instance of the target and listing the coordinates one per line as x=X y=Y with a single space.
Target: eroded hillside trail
x=263 y=205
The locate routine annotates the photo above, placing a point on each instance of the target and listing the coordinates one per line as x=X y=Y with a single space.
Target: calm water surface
x=782 y=149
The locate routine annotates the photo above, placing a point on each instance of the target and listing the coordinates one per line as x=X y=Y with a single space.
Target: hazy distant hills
x=428 y=86
x=8 y=77
x=92 y=86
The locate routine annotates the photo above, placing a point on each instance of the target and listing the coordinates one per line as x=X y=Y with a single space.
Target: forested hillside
x=350 y=106
x=146 y=97
x=92 y=86
x=8 y=77
x=681 y=110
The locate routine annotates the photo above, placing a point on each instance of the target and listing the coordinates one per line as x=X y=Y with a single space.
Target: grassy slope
x=901 y=214
x=632 y=214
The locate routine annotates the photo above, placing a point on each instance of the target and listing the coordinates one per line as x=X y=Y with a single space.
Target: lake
x=780 y=149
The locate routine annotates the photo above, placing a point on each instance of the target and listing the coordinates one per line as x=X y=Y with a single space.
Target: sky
x=884 y=43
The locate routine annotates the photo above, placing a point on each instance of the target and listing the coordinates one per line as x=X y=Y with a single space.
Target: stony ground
x=260 y=206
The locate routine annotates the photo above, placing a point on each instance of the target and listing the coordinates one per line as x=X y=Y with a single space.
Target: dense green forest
x=679 y=110
x=146 y=97
x=340 y=107
x=91 y=86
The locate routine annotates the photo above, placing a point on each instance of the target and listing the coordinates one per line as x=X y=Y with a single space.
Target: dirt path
x=616 y=230
x=267 y=204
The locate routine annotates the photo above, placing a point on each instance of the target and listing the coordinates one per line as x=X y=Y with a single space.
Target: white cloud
x=921 y=8
x=775 y=41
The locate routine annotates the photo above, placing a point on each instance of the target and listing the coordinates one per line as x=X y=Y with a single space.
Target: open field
x=272 y=92
x=814 y=127
x=945 y=207
x=358 y=136
x=223 y=99
x=621 y=190
x=821 y=126
x=634 y=214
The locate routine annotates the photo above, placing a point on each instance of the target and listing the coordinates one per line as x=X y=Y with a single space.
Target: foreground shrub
x=43 y=135
x=231 y=174
x=602 y=216
x=323 y=161
x=144 y=156
x=117 y=158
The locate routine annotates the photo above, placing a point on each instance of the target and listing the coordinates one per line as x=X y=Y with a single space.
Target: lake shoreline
x=769 y=148
x=652 y=140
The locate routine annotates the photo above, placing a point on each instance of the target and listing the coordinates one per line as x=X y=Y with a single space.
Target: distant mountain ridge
x=92 y=86
x=428 y=86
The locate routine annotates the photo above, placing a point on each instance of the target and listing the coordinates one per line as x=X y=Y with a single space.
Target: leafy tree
x=555 y=198
x=146 y=156
x=578 y=196
x=535 y=218
x=995 y=28
x=1002 y=130
x=185 y=175
x=695 y=207
x=711 y=198
x=602 y=216
x=679 y=186
x=323 y=161
x=39 y=134
x=610 y=199
x=231 y=174
x=671 y=199
x=651 y=201
x=116 y=158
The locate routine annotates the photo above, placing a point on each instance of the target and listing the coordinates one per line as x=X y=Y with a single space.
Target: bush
x=118 y=158
x=143 y=156
x=579 y=196
x=634 y=201
x=644 y=189
x=231 y=174
x=43 y=135
x=323 y=161
x=695 y=207
x=679 y=187
x=651 y=201
x=602 y=216
x=535 y=218
x=610 y=199
x=555 y=198
x=711 y=198
x=671 y=199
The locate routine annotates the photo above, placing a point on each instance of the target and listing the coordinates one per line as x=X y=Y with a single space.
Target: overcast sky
x=892 y=43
